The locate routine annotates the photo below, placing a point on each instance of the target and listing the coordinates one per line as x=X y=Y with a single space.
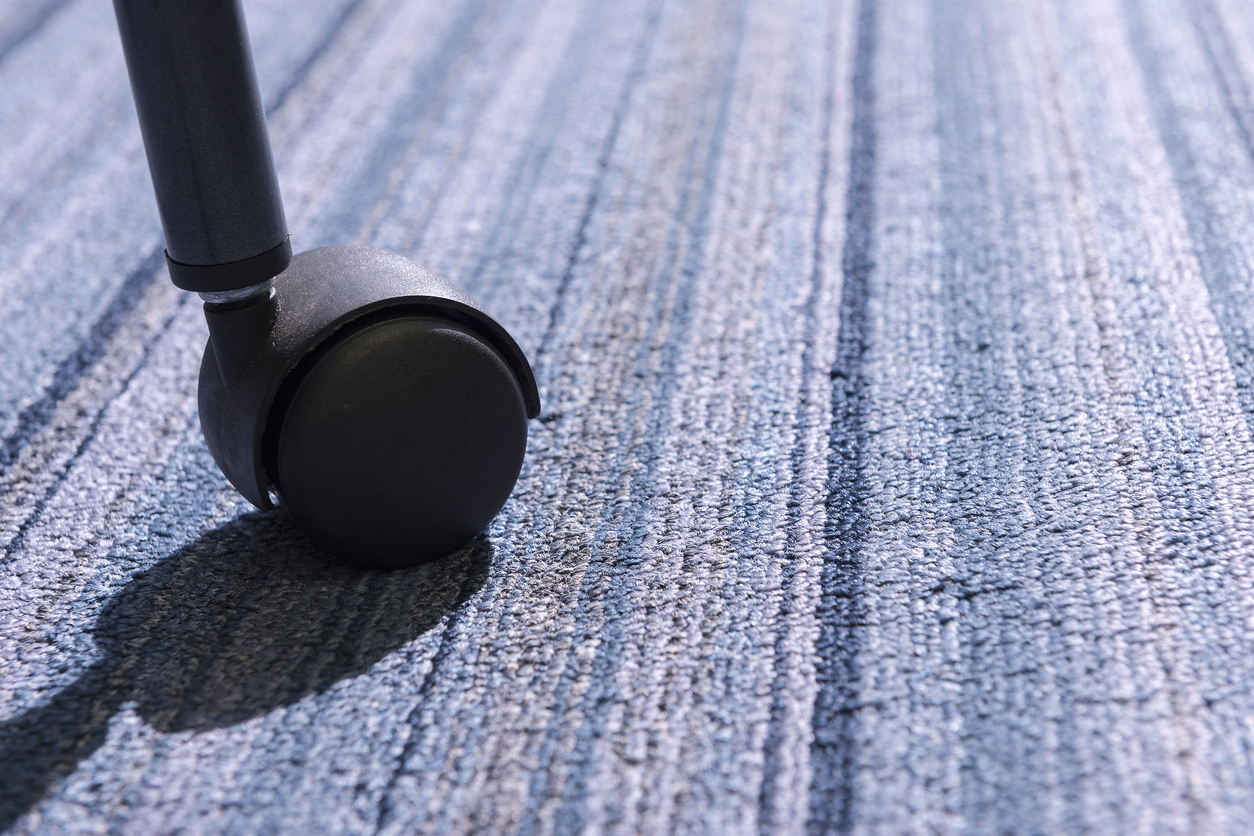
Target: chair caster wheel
x=387 y=411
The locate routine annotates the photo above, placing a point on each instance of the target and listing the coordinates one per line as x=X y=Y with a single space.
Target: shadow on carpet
x=223 y=630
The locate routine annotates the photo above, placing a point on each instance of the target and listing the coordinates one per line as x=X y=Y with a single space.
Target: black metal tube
x=204 y=132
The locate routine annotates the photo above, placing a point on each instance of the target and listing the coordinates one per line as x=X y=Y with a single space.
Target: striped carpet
x=895 y=474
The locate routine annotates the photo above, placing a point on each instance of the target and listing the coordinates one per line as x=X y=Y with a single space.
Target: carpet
x=894 y=472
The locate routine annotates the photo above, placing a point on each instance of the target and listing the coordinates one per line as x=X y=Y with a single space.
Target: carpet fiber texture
x=895 y=472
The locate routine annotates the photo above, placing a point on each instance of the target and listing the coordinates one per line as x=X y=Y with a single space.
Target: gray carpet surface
x=894 y=473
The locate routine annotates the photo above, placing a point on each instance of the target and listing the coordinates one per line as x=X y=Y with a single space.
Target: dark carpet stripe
x=541 y=780
x=1220 y=247
x=28 y=25
x=975 y=352
x=563 y=113
x=333 y=32
x=443 y=654
x=36 y=416
x=687 y=236
x=840 y=609
x=598 y=181
x=429 y=82
x=93 y=347
x=320 y=49
x=810 y=315
x=14 y=546
x=502 y=34
x=1214 y=38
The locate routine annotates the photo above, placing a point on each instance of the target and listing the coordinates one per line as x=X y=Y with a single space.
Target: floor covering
x=894 y=473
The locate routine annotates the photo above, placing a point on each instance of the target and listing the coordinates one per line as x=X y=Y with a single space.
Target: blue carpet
x=895 y=469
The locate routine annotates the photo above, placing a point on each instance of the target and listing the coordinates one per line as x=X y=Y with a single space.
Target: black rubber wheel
x=400 y=439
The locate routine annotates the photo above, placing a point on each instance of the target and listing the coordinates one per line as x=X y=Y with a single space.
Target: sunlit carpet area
x=895 y=472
